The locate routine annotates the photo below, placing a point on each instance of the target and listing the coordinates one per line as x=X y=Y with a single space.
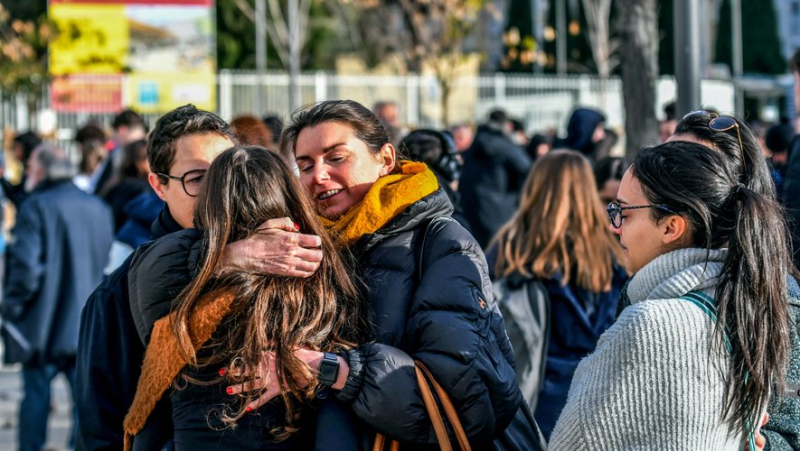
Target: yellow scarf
x=388 y=197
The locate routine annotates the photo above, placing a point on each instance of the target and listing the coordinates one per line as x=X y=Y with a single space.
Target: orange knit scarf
x=387 y=198
x=163 y=361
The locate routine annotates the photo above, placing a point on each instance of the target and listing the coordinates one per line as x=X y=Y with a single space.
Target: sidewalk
x=11 y=395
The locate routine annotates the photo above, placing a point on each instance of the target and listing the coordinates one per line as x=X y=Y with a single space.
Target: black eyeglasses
x=615 y=210
x=191 y=181
x=721 y=124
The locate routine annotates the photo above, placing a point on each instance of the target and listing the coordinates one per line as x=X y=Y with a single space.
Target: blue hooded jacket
x=141 y=211
x=580 y=129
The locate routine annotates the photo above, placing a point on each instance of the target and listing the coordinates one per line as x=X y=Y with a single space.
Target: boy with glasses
x=181 y=147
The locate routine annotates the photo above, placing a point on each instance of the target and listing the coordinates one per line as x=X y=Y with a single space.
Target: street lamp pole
x=261 y=53
x=294 y=55
x=687 y=55
x=736 y=17
x=561 y=37
x=537 y=30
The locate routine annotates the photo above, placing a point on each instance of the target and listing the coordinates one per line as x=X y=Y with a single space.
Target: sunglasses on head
x=721 y=124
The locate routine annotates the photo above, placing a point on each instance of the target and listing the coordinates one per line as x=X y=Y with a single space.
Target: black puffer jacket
x=448 y=320
x=159 y=271
x=494 y=173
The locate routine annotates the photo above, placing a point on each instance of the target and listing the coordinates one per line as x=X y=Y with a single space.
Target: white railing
x=541 y=101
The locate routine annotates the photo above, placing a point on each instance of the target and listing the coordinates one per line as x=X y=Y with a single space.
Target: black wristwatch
x=328 y=370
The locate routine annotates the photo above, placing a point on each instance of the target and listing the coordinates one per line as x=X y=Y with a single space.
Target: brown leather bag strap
x=433 y=411
x=447 y=405
x=425 y=380
x=380 y=441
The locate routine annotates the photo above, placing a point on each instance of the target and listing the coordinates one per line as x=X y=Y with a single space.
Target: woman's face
x=609 y=192
x=337 y=168
x=639 y=234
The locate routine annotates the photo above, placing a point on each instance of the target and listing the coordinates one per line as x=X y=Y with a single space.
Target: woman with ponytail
x=783 y=430
x=691 y=363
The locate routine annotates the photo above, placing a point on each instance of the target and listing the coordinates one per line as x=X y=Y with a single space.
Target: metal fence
x=541 y=102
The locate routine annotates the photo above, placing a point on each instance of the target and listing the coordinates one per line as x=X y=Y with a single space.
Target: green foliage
x=236 y=39
x=579 y=52
x=761 y=46
x=518 y=37
x=26 y=9
x=23 y=53
x=236 y=47
x=666 y=34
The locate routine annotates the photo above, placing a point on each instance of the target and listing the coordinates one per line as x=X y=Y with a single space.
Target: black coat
x=494 y=173
x=791 y=196
x=61 y=244
x=15 y=193
x=447 y=319
x=109 y=360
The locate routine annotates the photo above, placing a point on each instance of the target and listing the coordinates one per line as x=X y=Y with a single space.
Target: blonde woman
x=560 y=237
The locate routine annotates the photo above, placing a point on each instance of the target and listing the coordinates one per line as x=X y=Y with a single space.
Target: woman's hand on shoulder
x=276 y=248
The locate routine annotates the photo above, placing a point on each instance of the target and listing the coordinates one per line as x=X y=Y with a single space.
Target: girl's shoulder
x=661 y=322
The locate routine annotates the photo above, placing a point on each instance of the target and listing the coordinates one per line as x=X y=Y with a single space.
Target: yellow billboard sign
x=93 y=39
x=162 y=50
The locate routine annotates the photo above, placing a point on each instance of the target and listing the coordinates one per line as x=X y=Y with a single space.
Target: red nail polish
x=222 y=371
x=296 y=226
x=248 y=409
x=229 y=390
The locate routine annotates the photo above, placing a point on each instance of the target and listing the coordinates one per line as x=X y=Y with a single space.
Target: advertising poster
x=161 y=52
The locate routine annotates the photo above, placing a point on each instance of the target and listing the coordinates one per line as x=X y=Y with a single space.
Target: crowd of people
x=262 y=284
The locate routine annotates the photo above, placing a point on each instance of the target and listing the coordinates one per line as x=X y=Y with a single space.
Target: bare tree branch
x=246 y=9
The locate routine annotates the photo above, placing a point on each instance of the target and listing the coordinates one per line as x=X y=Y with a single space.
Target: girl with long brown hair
x=559 y=237
x=230 y=320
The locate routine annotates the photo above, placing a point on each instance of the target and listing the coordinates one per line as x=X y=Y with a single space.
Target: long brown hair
x=246 y=186
x=560 y=226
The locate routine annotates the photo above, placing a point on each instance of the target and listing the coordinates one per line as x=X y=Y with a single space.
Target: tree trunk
x=638 y=29
x=597 y=14
x=445 y=87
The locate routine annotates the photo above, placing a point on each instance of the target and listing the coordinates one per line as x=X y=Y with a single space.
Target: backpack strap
x=538 y=294
x=707 y=304
x=525 y=305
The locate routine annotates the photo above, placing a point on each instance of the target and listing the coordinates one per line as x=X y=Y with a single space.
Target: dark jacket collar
x=164 y=224
x=45 y=185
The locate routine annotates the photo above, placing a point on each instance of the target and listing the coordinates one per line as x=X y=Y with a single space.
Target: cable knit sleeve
x=783 y=429
x=650 y=381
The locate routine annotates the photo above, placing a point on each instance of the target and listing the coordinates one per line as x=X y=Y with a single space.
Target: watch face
x=328 y=369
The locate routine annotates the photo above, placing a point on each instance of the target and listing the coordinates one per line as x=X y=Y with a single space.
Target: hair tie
x=737 y=190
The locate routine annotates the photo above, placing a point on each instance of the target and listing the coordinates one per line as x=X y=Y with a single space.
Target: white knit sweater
x=653 y=381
